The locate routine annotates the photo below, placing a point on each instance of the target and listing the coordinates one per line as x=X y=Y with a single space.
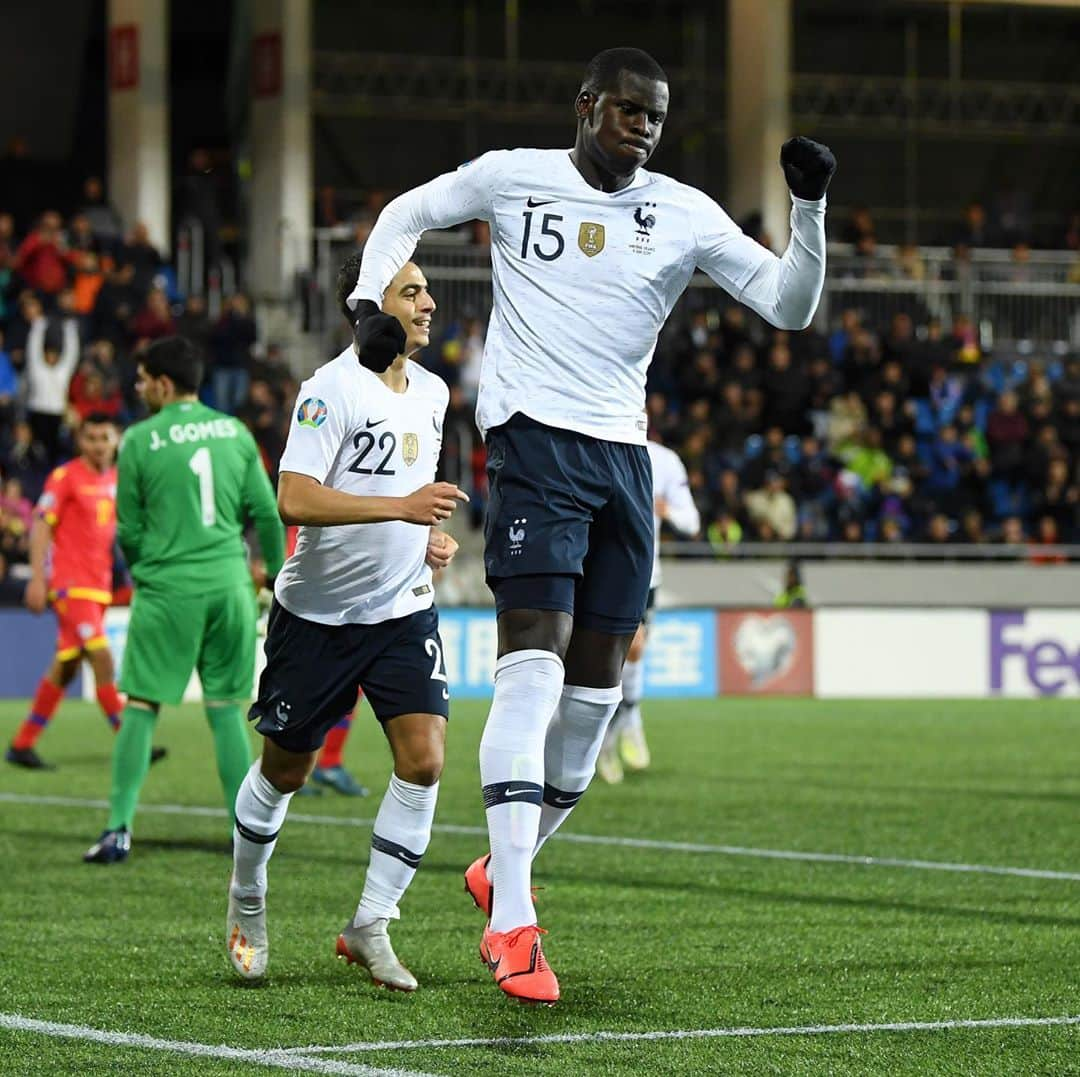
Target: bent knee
x=288 y=780
x=423 y=769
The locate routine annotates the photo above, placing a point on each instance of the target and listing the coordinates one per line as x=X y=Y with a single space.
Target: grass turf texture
x=642 y=939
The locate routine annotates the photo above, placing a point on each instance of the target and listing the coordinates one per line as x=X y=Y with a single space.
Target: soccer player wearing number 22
x=589 y=253
x=188 y=480
x=353 y=607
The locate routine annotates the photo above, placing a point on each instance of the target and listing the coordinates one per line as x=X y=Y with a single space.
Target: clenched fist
x=808 y=166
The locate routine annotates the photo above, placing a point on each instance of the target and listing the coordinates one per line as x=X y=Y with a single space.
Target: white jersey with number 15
x=584 y=279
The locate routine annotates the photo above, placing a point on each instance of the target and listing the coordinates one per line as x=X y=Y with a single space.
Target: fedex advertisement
x=1034 y=652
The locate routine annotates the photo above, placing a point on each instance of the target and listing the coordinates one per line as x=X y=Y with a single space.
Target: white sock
x=573 y=743
x=259 y=815
x=633 y=684
x=399 y=840
x=527 y=688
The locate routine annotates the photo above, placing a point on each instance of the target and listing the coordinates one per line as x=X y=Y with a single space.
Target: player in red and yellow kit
x=71 y=558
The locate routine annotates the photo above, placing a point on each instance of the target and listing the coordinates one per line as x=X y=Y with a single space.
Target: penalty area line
x=699 y=1034
x=750 y=852
x=271 y=1057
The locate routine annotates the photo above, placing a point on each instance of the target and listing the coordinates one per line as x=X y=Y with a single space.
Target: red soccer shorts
x=82 y=625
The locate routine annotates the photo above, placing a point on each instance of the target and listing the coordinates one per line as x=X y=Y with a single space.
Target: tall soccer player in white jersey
x=589 y=254
x=353 y=608
x=673 y=504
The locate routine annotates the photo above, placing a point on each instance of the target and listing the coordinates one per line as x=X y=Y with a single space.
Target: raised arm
x=785 y=291
x=446 y=201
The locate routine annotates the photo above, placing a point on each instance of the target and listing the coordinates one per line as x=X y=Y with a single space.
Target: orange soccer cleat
x=517 y=962
x=477 y=885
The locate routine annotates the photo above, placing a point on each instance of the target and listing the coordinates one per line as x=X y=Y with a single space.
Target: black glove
x=379 y=337
x=808 y=166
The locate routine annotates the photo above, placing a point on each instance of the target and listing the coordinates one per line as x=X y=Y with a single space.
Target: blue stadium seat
x=754 y=444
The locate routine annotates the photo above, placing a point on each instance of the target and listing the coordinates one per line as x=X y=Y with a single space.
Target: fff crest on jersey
x=590 y=238
x=410 y=448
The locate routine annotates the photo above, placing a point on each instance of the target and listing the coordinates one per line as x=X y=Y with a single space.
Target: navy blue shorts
x=569 y=524
x=313 y=672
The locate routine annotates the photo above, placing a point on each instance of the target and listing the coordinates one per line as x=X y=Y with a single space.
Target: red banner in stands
x=266 y=65
x=124 y=57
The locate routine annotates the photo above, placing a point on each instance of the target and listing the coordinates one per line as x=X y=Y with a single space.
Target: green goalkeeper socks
x=130 y=762
x=232 y=746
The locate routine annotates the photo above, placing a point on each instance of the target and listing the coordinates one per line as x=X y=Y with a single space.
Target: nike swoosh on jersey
x=369 y=424
x=533 y=202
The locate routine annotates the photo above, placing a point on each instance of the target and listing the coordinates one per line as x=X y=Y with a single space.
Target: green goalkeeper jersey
x=188 y=480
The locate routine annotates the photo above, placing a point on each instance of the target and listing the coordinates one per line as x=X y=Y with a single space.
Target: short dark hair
x=603 y=70
x=346 y=282
x=98 y=418
x=175 y=358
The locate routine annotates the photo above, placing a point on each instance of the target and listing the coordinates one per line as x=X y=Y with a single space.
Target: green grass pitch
x=644 y=939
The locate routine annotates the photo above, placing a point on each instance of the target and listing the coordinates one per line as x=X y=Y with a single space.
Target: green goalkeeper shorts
x=171 y=634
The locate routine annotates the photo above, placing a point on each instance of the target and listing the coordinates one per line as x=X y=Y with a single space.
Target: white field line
x=697 y=1034
x=594 y=839
x=276 y=1059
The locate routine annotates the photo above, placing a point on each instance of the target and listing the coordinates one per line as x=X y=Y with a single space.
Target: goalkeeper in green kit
x=189 y=478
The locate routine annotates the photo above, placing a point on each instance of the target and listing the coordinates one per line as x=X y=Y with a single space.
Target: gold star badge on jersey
x=590 y=238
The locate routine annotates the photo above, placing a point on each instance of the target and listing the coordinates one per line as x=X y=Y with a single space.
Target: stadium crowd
x=80 y=300
x=905 y=432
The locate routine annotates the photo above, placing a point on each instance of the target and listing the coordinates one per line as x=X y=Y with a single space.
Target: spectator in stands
x=860 y=224
x=105 y=223
x=9 y=391
x=14 y=524
x=868 y=459
x=842 y=337
x=1046 y=545
x=231 y=343
x=1059 y=499
x=52 y=353
x=974 y=231
x=938 y=530
x=194 y=323
x=144 y=258
x=1007 y=435
x=847 y=418
x=26 y=460
x=262 y=413
x=155 y=319
x=787 y=392
x=724 y=533
x=41 y=260
x=1012 y=531
x=971 y=529
x=89 y=395
x=909 y=263
x=87 y=268
x=772 y=509
x=116 y=304
x=15 y=503
x=199 y=202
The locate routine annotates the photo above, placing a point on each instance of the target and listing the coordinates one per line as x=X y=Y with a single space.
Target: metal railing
x=1033 y=303
x=1026 y=552
x=453 y=87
